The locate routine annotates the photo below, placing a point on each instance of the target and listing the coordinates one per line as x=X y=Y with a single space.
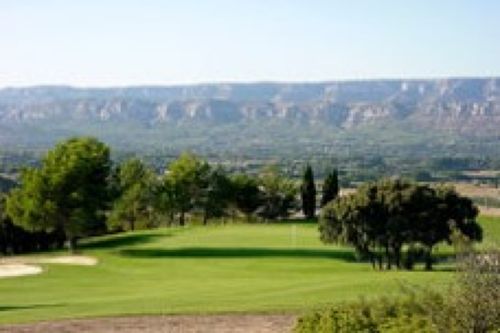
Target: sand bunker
x=12 y=270
x=68 y=260
x=19 y=265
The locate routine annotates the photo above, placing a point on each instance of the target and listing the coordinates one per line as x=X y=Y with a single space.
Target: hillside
x=461 y=115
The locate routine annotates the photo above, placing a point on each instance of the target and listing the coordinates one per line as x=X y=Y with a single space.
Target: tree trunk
x=205 y=218
x=388 y=257
x=132 y=224
x=428 y=259
x=60 y=237
x=397 y=256
x=372 y=259
x=72 y=244
x=181 y=219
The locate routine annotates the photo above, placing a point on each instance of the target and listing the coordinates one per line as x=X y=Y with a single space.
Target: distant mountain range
x=236 y=117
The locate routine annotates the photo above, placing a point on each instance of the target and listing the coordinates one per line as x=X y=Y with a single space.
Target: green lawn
x=232 y=268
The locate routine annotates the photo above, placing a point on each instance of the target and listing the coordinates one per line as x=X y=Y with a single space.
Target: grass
x=222 y=268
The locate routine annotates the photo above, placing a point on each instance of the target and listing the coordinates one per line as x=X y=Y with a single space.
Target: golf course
x=222 y=268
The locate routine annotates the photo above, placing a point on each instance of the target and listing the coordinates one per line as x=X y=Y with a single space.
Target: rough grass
x=214 y=269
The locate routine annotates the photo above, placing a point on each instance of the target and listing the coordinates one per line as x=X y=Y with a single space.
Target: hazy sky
x=125 y=42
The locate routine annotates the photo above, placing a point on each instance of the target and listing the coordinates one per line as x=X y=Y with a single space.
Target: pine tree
x=330 y=187
x=308 y=194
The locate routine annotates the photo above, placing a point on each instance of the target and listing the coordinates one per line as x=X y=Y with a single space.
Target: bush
x=476 y=302
x=472 y=305
x=406 y=314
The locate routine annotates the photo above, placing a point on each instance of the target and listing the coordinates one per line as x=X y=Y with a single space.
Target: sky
x=125 y=42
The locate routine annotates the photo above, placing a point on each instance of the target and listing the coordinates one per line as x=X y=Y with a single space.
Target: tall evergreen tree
x=330 y=187
x=308 y=194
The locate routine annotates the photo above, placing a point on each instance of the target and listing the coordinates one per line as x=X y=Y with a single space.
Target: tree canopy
x=278 y=194
x=330 y=187
x=185 y=178
x=135 y=202
x=68 y=192
x=381 y=217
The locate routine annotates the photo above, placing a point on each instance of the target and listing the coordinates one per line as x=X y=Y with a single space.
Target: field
x=234 y=268
x=486 y=197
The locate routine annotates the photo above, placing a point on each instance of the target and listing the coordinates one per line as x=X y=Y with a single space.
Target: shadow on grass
x=120 y=240
x=27 y=307
x=222 y=252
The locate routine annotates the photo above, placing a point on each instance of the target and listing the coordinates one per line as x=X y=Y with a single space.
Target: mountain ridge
x=460 y=107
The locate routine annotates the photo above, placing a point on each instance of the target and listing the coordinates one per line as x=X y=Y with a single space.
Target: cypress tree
x=330 y=187
x=308 y=194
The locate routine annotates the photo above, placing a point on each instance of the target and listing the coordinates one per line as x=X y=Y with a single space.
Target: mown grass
x=219 y=268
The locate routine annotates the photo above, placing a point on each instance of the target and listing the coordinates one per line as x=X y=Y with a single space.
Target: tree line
x=77 y=191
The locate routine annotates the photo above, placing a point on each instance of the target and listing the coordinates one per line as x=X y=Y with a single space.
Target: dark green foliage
x=330 y=187
x=191 y=186
x=14 y=239
x=69 y=192
x=186 y=178
x=308 y=193
x=382 y=217
x=247 y=196
x=216 y=194
x=278 y=194
x=134 y=203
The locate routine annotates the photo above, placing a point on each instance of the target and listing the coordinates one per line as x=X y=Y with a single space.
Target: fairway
x=215 y=269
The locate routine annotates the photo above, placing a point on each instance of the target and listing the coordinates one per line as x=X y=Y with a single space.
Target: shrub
x=407 y=314
x=472 y=305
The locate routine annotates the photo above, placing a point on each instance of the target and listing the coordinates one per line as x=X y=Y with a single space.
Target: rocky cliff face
x=462 y=106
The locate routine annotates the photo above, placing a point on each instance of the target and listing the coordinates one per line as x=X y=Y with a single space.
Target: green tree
x=278 y=194
x=69 y=192
x=447 y=211
x=187 y=177
x=330 y=187
x=136 y=185
x=215 y=194
x=166 y=198
x=246 y=195
x=308 y=193
x=381 y=217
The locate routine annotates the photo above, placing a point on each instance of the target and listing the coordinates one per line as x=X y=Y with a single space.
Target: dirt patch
x=13 y=270
x=23 y=265
x=160 y=324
